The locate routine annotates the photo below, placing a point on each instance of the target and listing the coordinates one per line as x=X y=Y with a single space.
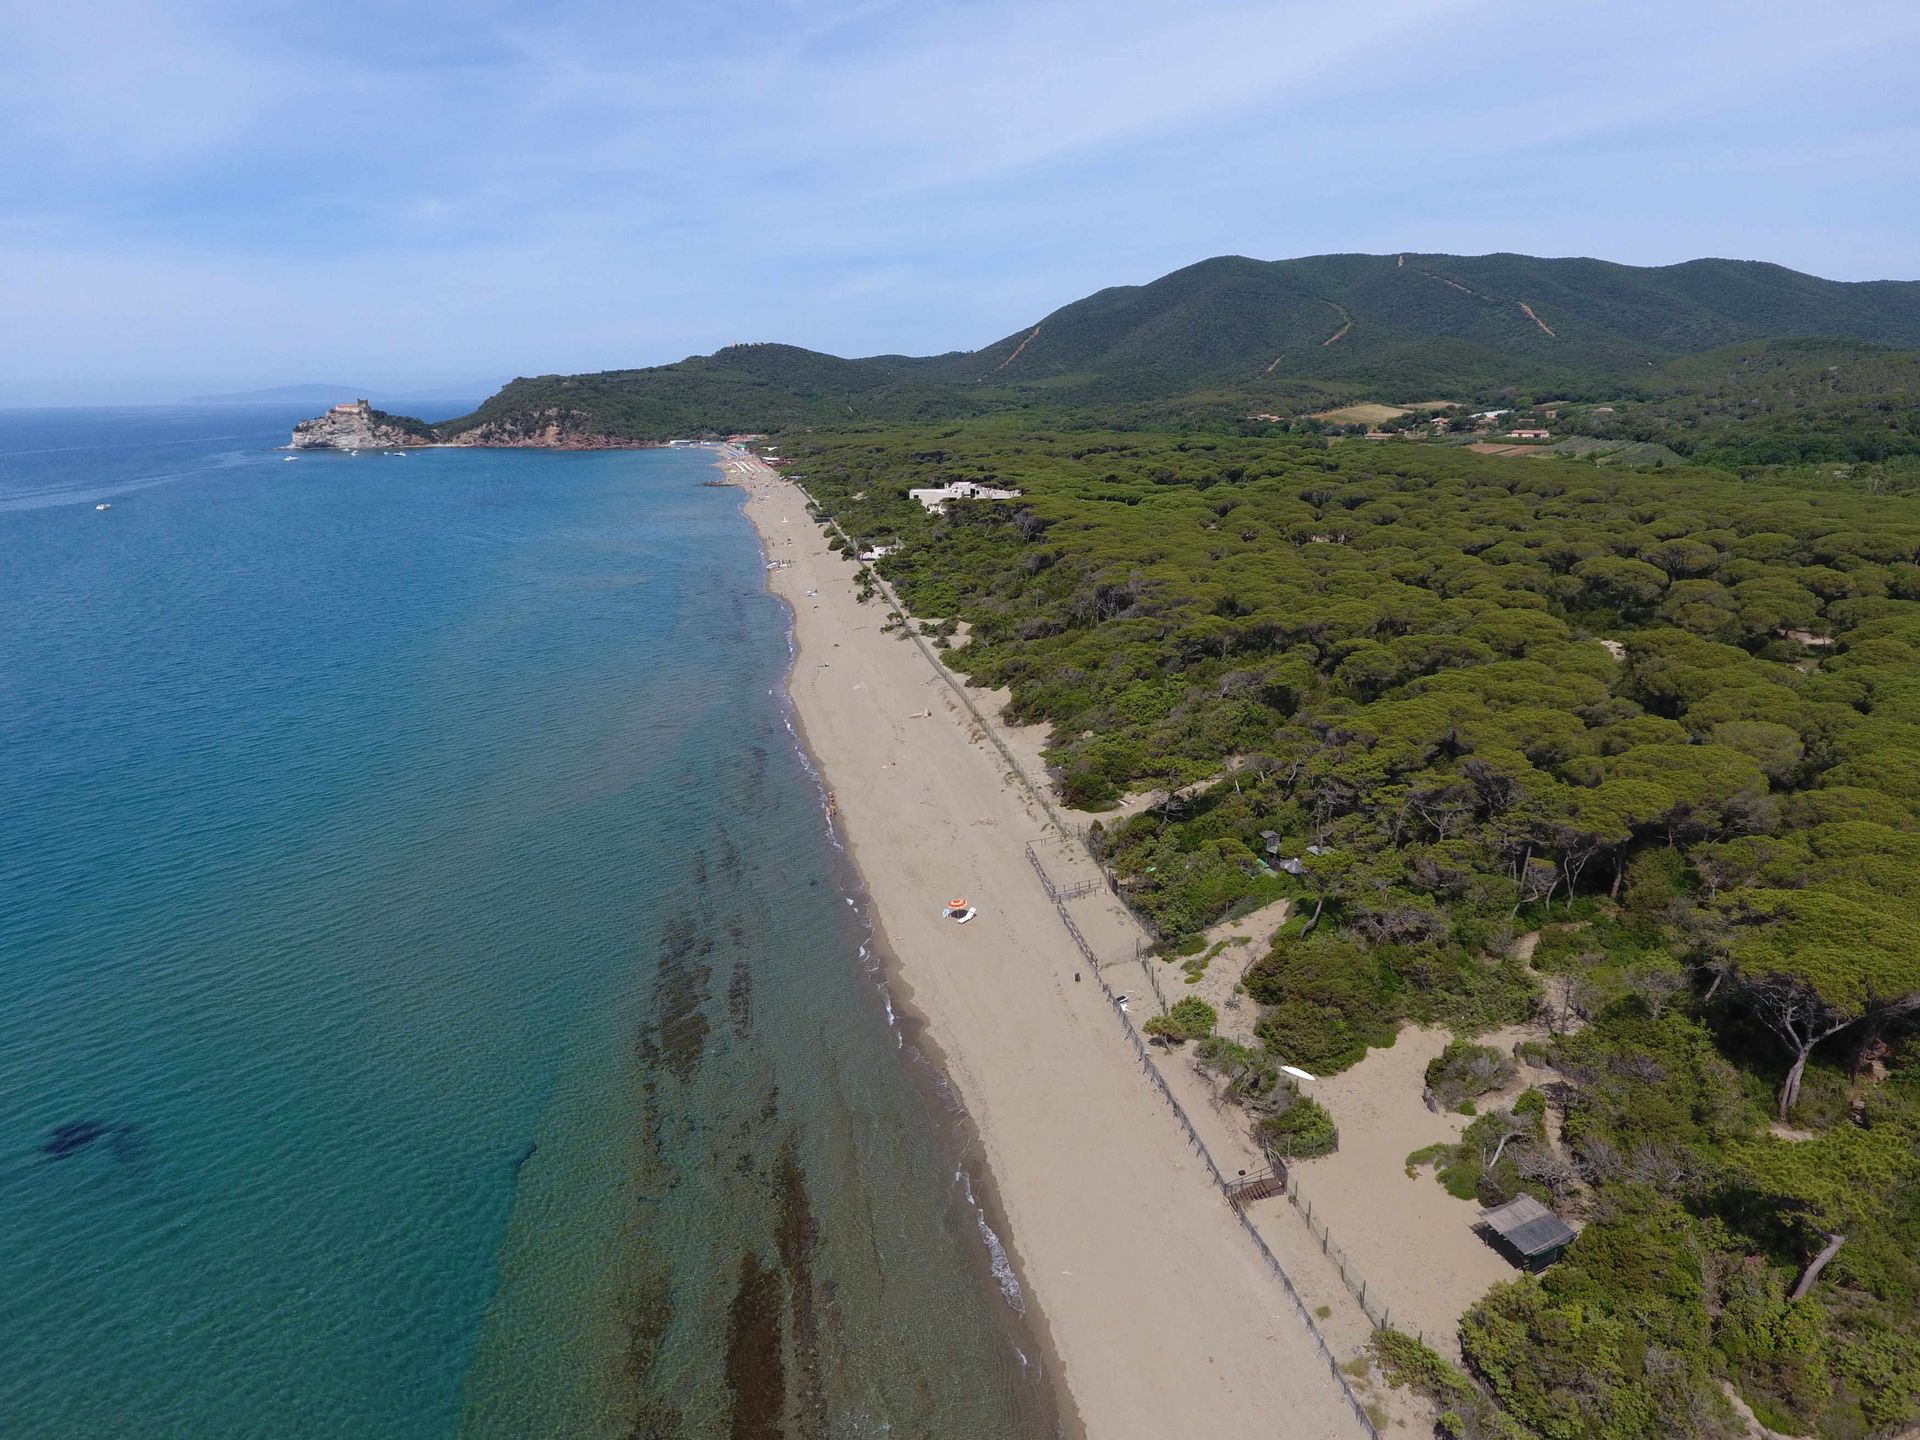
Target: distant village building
x=935 y=498
x=1529 y=435
x=352 y=407
x=1378 y=435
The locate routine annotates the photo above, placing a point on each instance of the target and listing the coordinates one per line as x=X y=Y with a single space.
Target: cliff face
x=548 y=429
x=360 y=427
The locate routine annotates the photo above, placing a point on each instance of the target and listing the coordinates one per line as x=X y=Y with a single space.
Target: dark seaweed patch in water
x=680 y=1022
x=649 y=1314
x=125 y=1143
x=740 y=1000
x=756 y=1374
x=797 y=1234
x=678 y=934
x=73 y=1137
x=654 y=1177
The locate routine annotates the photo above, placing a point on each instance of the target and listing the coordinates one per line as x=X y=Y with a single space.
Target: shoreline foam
x=1158 y=1316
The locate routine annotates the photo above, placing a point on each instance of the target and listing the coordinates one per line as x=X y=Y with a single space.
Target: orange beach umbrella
x=959 y=904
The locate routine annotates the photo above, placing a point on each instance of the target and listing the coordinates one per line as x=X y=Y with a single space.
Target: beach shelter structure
x=1532 y=1235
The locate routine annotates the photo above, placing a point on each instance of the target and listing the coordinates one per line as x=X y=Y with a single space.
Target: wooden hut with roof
x=1531 y=1235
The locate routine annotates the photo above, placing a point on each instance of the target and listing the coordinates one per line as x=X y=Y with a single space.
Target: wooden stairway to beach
x=1255 y=1187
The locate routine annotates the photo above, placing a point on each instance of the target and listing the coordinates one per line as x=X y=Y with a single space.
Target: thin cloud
x=247 y=194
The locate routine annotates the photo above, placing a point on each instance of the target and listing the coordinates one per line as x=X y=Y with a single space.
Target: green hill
x=1432 y=317
x=1229 y=334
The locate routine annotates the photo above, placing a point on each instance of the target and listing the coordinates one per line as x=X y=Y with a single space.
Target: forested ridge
x=1216 y=341
x=1666 y=722
x=1780 y=402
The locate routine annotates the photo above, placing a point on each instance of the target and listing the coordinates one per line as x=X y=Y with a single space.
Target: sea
x=433 y=999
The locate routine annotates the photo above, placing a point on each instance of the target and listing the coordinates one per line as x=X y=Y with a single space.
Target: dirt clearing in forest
x=1367 y=414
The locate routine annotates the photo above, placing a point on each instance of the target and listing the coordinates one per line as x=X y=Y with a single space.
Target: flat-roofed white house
x=936 y=498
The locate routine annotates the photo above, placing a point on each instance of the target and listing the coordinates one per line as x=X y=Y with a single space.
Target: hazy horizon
x=223 y=199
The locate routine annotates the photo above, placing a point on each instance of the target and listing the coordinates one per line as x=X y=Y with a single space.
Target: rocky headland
x=358 y=426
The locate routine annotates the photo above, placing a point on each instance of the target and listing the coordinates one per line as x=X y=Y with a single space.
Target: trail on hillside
x=1525 y=308
x=1346 y=324
x=1016 y=351
x=1463 y=289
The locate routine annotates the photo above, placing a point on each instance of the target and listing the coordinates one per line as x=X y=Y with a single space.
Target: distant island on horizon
x=322 y=394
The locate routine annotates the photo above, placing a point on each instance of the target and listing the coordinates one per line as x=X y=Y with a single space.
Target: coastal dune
x=1161 y=1315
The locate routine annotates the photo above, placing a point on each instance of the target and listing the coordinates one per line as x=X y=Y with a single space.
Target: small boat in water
x=103 y=507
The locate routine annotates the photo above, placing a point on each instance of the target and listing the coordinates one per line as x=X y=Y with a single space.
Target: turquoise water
x=434 y=1004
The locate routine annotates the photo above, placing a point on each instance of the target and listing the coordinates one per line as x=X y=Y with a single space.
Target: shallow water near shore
x=435 y=1003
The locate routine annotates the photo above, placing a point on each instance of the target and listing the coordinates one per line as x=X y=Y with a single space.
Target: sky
x=219 y=195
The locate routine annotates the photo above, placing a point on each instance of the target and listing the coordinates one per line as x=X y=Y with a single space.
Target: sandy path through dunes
x=1165 y=1321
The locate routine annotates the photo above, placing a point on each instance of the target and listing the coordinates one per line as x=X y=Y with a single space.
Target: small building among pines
x=1530 y=1235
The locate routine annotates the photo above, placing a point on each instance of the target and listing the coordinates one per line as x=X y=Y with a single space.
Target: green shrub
x=1775 y=1351
x=1467 y=1413
x=1464 y=1070
x=1251 y=1074
x=1328 y=1001
x=1188 y=1019
x=1302 y=1130
x=1469 y=1169
x=1408 y=1364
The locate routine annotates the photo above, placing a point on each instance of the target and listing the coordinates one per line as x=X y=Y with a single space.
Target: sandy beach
x=1162 y=1316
